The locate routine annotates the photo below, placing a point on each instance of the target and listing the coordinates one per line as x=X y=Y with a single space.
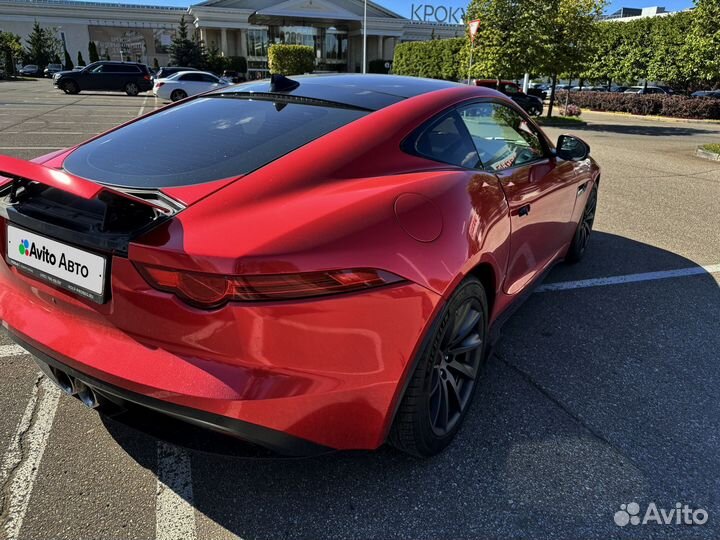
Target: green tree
x=668 y=36
x=636 y=50
x=215 y=61
x=41 y=46
x=565 y=30
x=93 y=52
x=68 y=61
x=11 y=49
x=80 y=59
x=603 y=58
x=185 y=51
x=507 y=43
x=702 y=48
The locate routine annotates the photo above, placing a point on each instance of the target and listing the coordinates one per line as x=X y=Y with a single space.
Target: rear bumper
x=275 y=440
x=327 y=372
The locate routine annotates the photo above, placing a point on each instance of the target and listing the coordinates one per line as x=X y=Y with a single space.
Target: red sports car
x=308 y=264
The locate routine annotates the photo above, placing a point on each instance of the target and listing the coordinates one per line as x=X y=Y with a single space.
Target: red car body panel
x=328 y=370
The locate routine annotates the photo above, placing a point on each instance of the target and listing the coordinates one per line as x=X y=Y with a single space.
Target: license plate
x=64 y=266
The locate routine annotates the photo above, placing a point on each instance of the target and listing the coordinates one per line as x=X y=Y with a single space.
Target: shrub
x=436 y=59
x=660 y=105
x=291 y=59
x=570 y=110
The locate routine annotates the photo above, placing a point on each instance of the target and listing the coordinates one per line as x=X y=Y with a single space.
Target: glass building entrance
x=329 y=43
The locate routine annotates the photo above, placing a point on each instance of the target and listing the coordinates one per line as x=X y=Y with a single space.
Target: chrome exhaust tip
x=86 y=395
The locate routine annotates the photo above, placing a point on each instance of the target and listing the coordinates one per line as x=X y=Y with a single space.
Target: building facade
x=334 y=28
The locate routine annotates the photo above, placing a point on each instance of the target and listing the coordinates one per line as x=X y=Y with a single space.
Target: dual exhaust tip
x=75 y=387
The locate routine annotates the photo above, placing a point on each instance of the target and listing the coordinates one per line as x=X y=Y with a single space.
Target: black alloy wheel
x=132 y=89
x=456 y=366
x=584 y=228
x=177 y=95
x=70 y=87
x=446 y=375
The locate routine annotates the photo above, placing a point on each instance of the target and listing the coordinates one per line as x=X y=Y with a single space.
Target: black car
x=129 y=77
x=165 y=72
x=531 y=104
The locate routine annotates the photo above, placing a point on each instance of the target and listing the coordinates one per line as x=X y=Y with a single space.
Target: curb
x=563 y=124
x=712 y=156
x=656 y=118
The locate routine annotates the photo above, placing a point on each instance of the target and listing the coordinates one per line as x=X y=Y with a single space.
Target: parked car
x=588 y=88
x=31 y=70
x=165 y=72
x=650 y=90
x=531 y=104
x=52 y=69
x=342 y=293
x=538 y=93
x=233 y=76
x=706 y=93
x=619 y=89
x=129 y=77
x=186 y=83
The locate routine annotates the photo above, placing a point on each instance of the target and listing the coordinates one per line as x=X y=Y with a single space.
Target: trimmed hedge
x=436 y=59
x=657 y=105
x=291 y=59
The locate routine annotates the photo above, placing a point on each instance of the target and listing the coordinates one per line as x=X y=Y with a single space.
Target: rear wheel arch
x=485 y=272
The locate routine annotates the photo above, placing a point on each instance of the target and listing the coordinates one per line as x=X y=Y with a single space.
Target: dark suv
x=531 y=104
x=129 y=77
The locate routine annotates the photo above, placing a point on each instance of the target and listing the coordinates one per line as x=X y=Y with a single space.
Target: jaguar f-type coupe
x=308 y=263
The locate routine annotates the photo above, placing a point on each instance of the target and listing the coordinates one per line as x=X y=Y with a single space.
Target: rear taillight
x=147 y=77
x=159 y=84
x=213 y=290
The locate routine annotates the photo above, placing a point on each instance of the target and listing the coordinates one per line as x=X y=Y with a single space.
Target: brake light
x=214 y=290
x=147 y=77
x=159 y=84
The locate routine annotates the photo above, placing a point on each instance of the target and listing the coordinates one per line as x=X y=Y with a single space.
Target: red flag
x=474 y=26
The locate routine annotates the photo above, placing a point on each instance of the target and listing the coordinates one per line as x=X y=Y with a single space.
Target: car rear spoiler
x=18 y=171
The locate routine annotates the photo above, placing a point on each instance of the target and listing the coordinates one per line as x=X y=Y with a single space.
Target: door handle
x=524 y=210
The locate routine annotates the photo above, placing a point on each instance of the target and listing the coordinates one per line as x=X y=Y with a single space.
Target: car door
x=95 y=78
x=191 y=83
x=540 y=189
x=210 y=82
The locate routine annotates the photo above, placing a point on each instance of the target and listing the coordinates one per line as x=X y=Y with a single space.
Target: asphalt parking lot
x=603 y=390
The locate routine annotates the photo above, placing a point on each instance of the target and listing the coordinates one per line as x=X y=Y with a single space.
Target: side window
x=192 y=77
x=502 y=137
x=209 y=78
x=510 y=89
x=446 y=140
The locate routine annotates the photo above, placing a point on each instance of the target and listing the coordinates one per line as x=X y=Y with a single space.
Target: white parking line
x=629 y=278
x=142 y=109
x=11 y=350
x=21 y=462
x=174 y=512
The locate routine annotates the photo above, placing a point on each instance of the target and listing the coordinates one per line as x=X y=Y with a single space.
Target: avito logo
x=30 y=249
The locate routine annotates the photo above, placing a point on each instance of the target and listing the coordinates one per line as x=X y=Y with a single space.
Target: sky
x=404 y=7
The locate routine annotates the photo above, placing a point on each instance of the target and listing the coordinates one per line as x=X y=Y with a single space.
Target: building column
x=203 y=36
x=223 y=42
x=379 y=48
x=242 y=36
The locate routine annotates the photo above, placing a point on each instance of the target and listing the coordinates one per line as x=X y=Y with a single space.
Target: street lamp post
x=364 y=69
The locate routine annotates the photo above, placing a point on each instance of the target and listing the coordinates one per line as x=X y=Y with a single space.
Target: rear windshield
x=203 y=140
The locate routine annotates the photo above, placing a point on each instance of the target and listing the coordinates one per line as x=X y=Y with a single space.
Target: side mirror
x=571 y=148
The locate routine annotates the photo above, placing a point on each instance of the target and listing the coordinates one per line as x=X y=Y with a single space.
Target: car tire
x=70 y=87
x=132 y=89
x=177 y=95
x=441 y=388
x=580 y=240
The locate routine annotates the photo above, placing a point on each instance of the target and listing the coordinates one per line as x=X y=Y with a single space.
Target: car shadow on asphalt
x=641 y=129
x=594 y=397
